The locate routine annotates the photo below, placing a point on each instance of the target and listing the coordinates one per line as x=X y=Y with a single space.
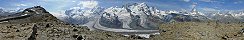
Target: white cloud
x=209 y=9
x=88 y=4
x=76 y=8
x=206 y=0
x=187 y=0
x=73 y=1
x=21 y=5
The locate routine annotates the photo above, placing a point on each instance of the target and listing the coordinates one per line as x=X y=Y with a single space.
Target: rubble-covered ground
x=53 y=31
x=201 y=31
x=172 y=31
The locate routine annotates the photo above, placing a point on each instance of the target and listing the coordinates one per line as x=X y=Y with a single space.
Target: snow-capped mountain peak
x=4 y=12
x=80 y=15
x=140 y=14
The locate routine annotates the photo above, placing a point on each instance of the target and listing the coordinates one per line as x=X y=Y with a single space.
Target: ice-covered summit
x=79 y=15
x=141 y=15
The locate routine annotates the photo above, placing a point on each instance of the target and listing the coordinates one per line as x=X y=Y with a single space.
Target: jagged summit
x=35 y=9
x=30 y=15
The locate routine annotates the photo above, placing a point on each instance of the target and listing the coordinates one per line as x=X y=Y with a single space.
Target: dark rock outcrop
x=110 y=20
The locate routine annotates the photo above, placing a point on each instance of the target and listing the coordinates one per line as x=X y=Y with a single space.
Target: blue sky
x=58 y=5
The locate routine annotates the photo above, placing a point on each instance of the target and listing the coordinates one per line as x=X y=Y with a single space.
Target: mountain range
x=142 y=16
x=137 y=16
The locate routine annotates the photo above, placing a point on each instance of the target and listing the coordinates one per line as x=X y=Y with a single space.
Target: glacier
x=143 y=16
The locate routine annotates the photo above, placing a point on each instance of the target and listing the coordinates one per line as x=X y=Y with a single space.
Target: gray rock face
x=110 y=20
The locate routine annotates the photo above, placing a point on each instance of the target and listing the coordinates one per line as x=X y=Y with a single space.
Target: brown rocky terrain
x=201 y=31
x=38 y=24
x=52 y=31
